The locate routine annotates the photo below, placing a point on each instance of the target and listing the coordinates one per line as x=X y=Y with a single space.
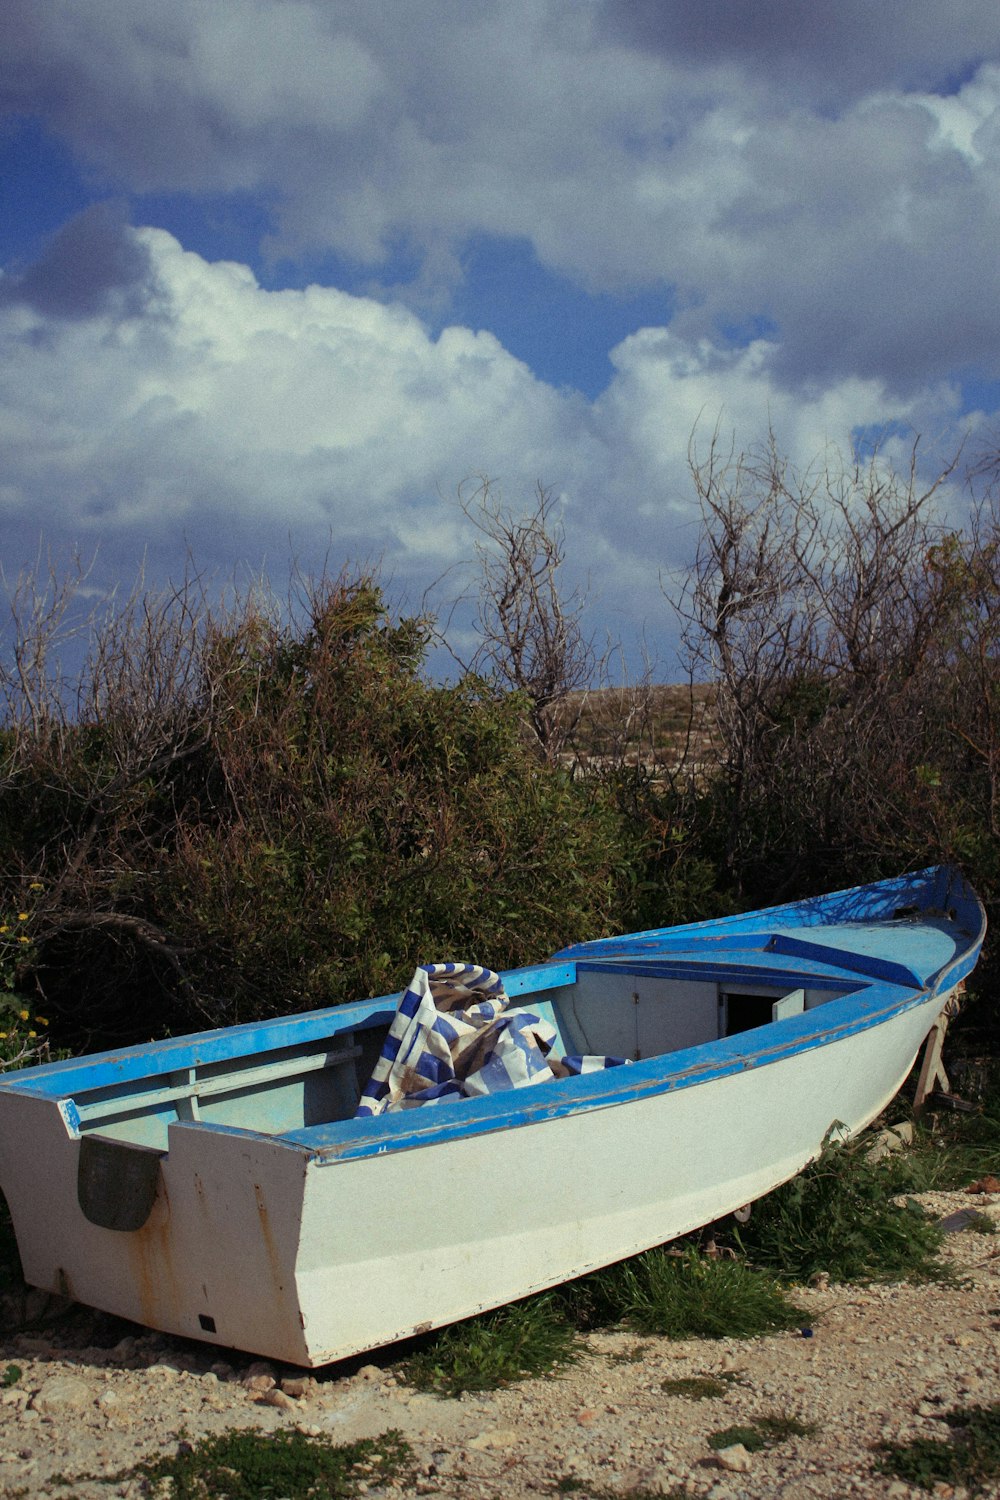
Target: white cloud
x=219 y=399
x=833 y=171
x=253 y=423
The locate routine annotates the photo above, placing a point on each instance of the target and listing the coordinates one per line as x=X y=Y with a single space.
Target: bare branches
x=815 y=606
x=531 y=633
x=47 y=616
x=96 y=756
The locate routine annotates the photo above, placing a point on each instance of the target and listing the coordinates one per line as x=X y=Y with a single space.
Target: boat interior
x=316 y=1065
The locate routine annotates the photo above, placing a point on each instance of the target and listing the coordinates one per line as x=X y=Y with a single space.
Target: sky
x=280 y=279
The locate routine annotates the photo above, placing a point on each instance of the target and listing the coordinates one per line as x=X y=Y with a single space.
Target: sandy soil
x=878 y=1363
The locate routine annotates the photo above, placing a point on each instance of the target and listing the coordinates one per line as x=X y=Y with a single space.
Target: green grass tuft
x=692 y=1296
x=981 y=1223
x=245 y=1464
x=971 y=1457
x=762 y=1432
x=842 y=1215
x=527 y=1338
x=700 y=1387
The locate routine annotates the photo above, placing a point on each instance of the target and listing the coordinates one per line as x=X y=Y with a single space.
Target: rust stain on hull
x=271 y=1249
x=155 y=1275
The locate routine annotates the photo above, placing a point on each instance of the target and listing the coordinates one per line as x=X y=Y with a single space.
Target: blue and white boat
x=224 y=1187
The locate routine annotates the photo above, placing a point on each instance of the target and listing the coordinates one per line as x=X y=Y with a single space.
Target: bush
x=854 y=643
x=250 y=813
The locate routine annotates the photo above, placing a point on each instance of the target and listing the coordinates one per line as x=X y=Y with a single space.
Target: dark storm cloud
x=93 y=265
x=832 y=52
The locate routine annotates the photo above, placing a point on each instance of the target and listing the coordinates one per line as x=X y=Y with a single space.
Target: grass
x=527 y=1338
x=762 y=1432
x=843 y=1216
x=700 y=1387
x=245 y=1464
x=662 y=1292
x=970 y=1457
x=981 y=1223
x=961 y=1147
x=688 y=1295
x=681 y=1295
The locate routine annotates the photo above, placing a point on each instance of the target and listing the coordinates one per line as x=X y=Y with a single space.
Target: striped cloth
x=453 y=1036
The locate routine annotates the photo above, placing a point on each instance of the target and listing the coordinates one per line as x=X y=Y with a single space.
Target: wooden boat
x=219 y=1187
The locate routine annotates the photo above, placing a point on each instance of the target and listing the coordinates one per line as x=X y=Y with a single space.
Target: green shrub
x=843 y=1215
x=257 y=813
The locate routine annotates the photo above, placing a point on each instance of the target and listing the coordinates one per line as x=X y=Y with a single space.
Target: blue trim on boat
x=841 y=958
x=939 y=890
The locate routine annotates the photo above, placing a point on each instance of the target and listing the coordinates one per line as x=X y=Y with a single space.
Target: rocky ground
x=871 y=1364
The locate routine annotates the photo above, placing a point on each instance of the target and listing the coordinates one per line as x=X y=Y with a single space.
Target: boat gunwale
x=588 y=1093
x=880 y=898
x=195 y=1050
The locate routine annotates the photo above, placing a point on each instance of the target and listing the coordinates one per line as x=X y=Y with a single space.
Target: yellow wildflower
x=36 y=885
x=4 y=928
x=23 y=1014
x=23 y=939
x=32 y=1034
x=41 y=1020
x=3 y=1036
x=22 y=916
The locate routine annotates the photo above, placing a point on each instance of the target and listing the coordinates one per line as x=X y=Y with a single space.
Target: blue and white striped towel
x=453 y=1037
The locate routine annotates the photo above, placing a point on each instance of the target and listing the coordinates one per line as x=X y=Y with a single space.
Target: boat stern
x=199 y=1240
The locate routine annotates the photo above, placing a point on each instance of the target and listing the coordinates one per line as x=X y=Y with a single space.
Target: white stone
x=62 y=1393
x=735 y=1459
x=500 y=1437
x=277 y=1398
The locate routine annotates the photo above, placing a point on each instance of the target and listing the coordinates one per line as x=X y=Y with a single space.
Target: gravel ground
x=882 y=1363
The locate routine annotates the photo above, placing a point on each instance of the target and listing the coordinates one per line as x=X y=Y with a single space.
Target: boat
x=223 y=1186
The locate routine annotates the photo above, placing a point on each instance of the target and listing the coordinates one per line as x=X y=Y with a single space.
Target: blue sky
x=277 y=277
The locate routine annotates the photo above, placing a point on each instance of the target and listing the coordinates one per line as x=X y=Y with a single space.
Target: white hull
x=308 y=1260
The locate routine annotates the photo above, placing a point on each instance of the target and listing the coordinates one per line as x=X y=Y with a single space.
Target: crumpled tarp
x=454 y=1035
